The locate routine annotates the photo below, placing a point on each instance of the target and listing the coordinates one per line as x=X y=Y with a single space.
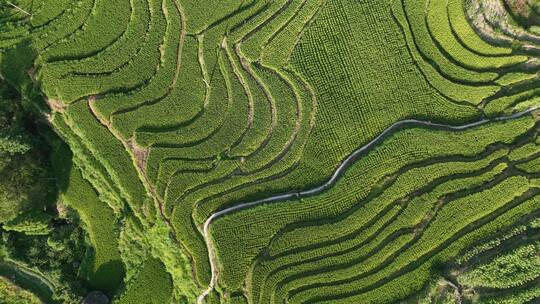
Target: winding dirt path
x=345 y=164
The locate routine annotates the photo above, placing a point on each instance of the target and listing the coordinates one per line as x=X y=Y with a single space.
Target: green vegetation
x=151 y=285
x=26 y=181
x=40 y=246
x=12 y=294
x=270 y=151
x=505 y=271
x=105 y=266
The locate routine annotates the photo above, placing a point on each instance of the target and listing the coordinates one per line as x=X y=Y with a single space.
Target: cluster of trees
x=26 y=182
x=33 y=233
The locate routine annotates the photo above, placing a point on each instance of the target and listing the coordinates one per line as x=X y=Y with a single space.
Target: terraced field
x=293 y=151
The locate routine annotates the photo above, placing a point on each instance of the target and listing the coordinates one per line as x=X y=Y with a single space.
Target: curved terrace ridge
x=345 y=164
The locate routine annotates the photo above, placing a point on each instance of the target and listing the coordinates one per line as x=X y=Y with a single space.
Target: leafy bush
x=12 y=294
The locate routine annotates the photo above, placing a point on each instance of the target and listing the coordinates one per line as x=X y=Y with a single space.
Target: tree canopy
x=25 y=181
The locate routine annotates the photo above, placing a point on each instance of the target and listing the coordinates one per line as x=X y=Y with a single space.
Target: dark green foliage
x=16 y=64
x=34 y=236
x=26 y=182
x=30 y=223
x=10 y=293
x=55 y=257
x=26 y=279
x=22 y=186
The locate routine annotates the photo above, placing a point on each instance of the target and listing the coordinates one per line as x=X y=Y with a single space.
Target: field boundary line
x=338 y=172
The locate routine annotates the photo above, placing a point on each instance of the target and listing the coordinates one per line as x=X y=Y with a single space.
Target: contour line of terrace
x=345 y=164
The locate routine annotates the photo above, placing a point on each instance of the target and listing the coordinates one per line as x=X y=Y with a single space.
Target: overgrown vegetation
x=10 y=293
x=27 y=183
x=39 y=242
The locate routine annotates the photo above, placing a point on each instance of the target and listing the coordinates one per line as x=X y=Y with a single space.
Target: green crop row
x=14 y=23
x=282 y=43
x=131 y=76
x=44 y=24
x=420 y=27
x=108 y=57
x=524 y=152
x=160 y=84
x=465 y=33
x=394 y=151
x=159 y=105
x=214 y=194
x=48 y=10
x=434 y=66
x=532 y=166
x=175 y=153
x=514 y=78
x=203 y=15
x=224 y=28
x=292 y=108
x=259 y=38
x=359 y=108
x=181 y=102
x=263 y=109
x=401 y=285
x=277 y=145
x=202 y=105
x=107 y=23
x=92 y=170
x=216 y=116
x=172 y=169
x=479 y=250
x=364 y=259
x=62 y=27
x=438 y=22
x=399 y=191
x=11 y=14
x=505 y=103
x=206 y=136
x=157 y=241
x=451 y=219
x=507 y=270
x=180 y=185
x=527 y=295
